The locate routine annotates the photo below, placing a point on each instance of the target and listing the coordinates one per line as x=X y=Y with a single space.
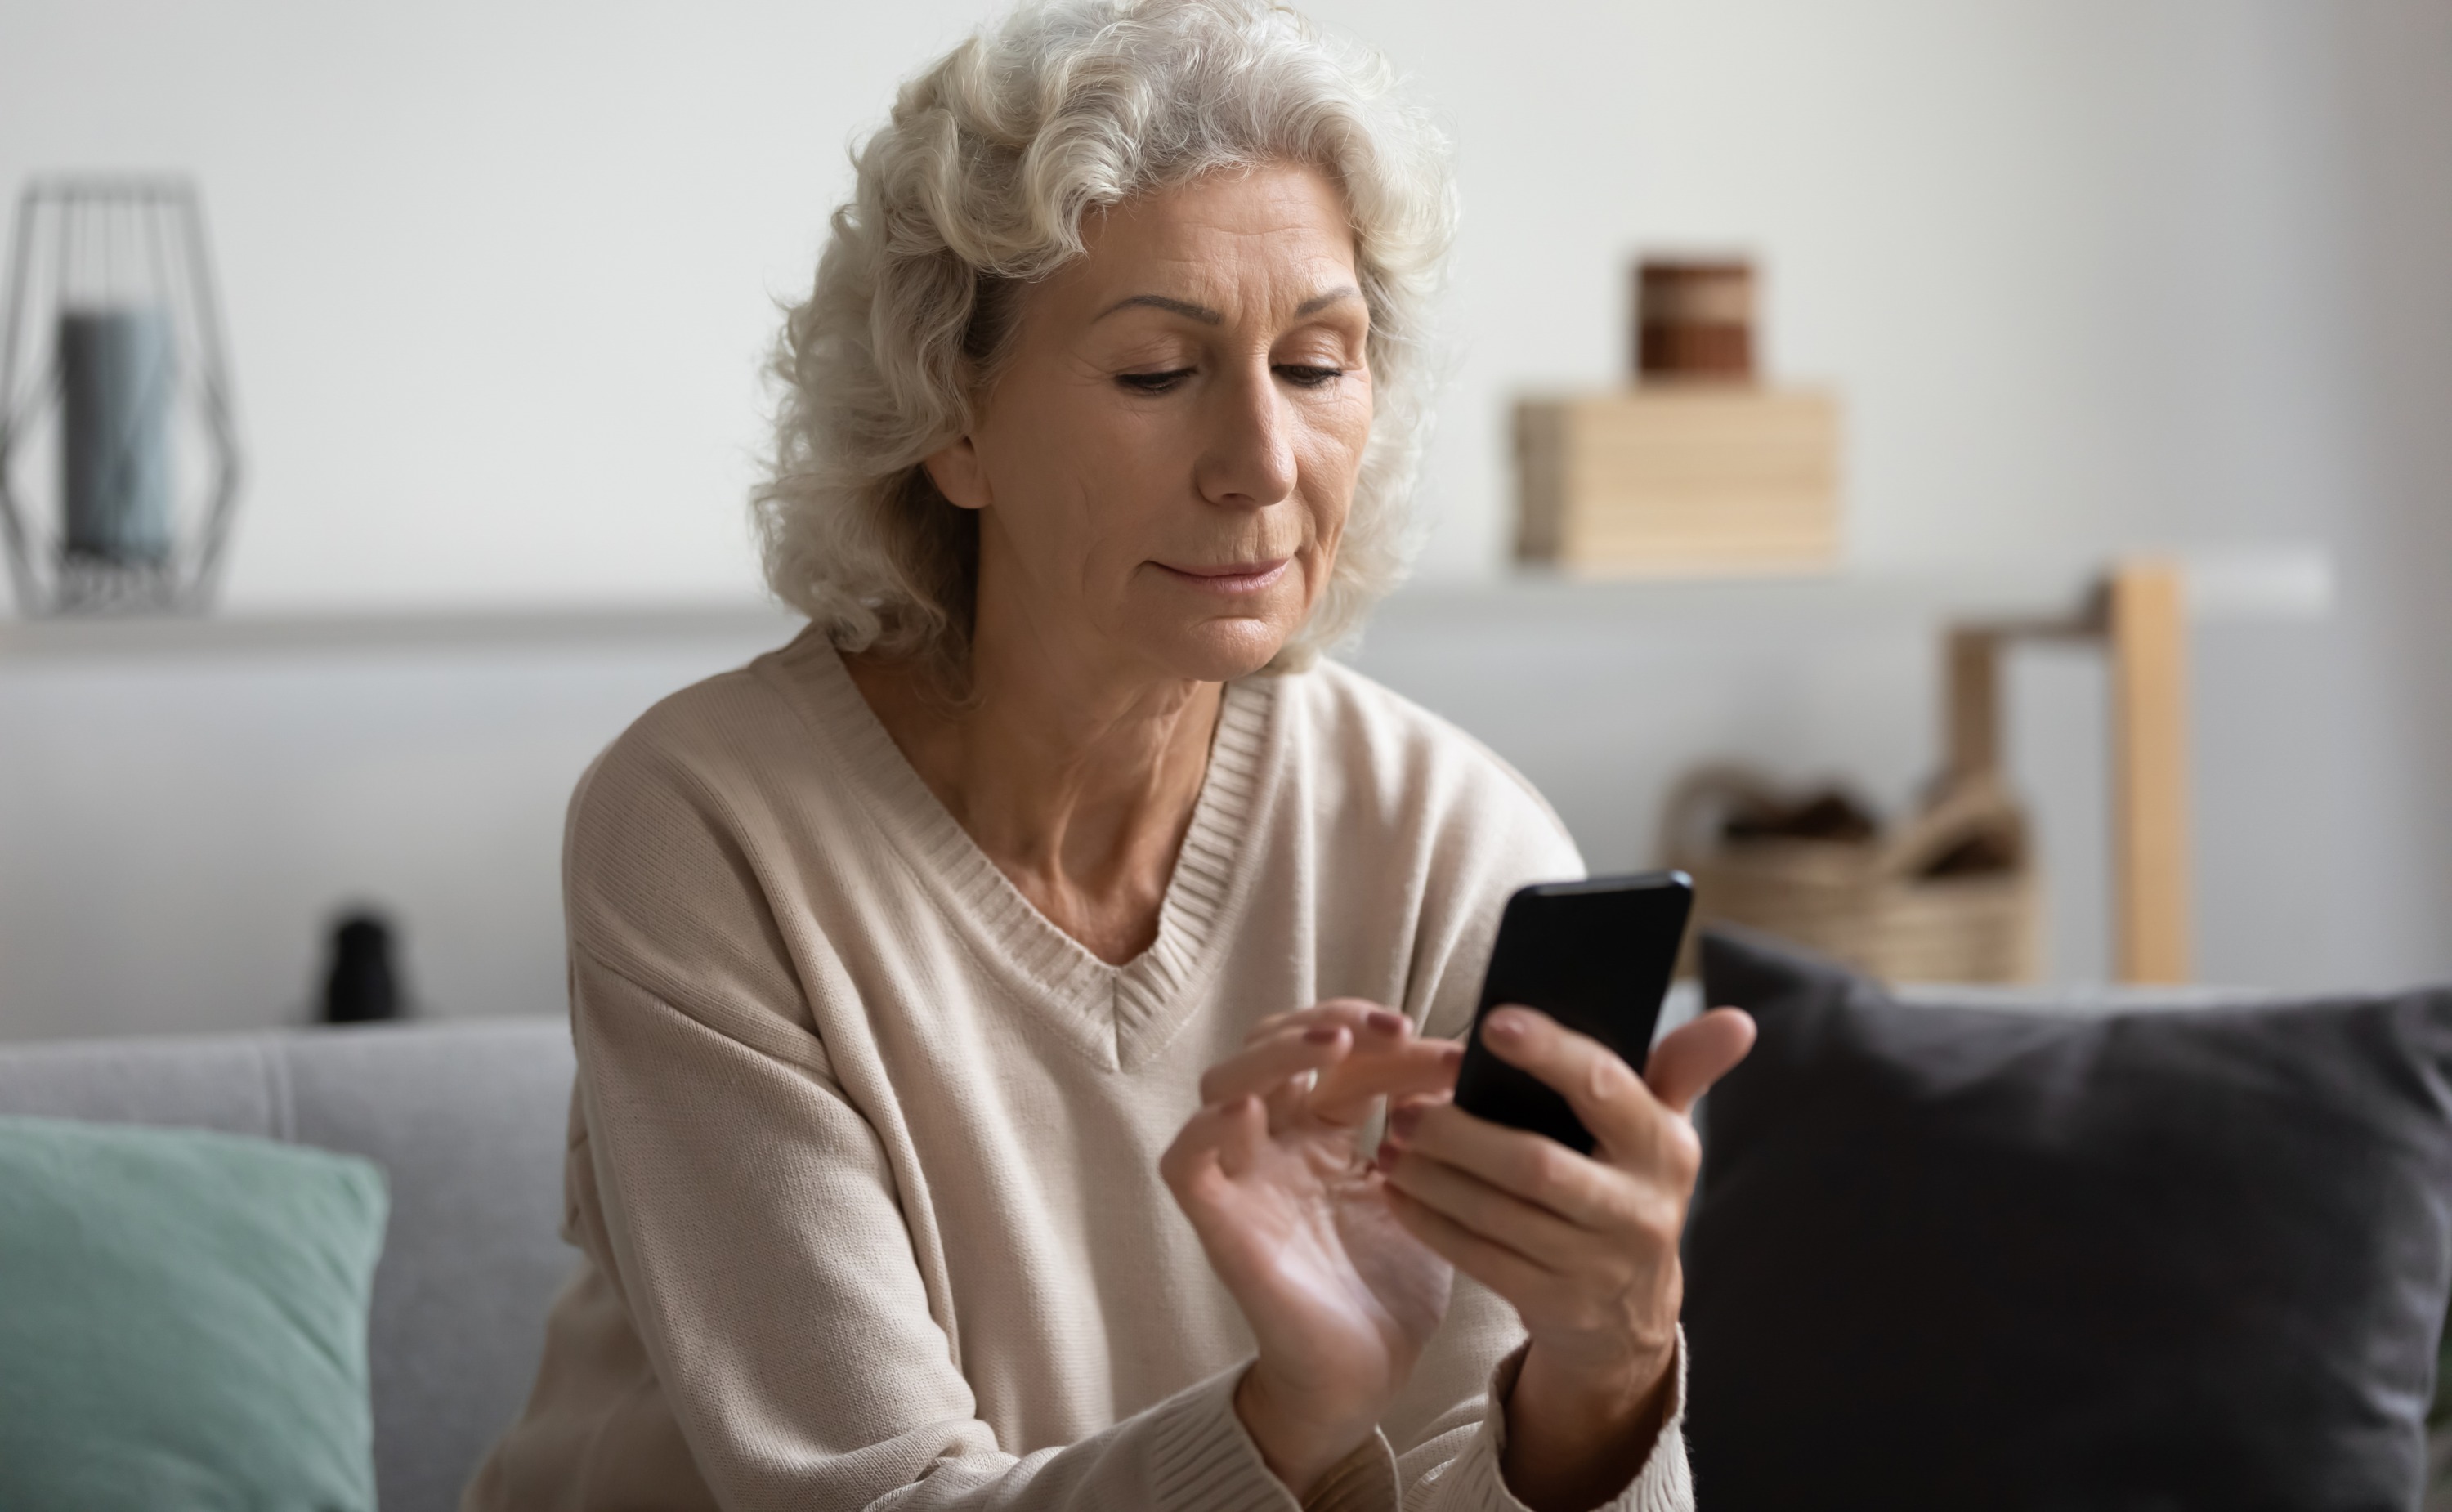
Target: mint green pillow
x=183 y=1320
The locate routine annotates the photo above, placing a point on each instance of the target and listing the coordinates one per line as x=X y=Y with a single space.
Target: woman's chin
x=1218 y=649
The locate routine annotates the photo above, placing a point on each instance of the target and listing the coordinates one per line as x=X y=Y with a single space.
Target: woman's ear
x=956 y=471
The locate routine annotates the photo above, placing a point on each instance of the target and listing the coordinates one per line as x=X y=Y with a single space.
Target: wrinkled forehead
x=1254 y=244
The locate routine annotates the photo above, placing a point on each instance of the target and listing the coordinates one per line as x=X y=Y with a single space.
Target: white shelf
x=1524 y=597
x=1801 y=601
x=223 y=636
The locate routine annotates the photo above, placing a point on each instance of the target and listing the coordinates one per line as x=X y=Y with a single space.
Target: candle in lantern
x=116 y=382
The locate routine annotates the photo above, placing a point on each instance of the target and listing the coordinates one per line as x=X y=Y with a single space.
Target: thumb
x=1692 y=1057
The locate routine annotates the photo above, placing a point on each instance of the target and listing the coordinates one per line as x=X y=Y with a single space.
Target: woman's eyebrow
x=1320 y=301
x=1209 y=316
x=1173 y=307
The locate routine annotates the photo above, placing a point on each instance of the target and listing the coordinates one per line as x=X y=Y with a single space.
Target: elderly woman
x=979 y=1001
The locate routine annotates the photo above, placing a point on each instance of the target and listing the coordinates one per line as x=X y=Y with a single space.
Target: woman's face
x=1164 y=468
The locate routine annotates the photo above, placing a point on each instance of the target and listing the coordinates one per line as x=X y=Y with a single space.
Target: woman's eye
x=1306 y=376
x=1153 y=383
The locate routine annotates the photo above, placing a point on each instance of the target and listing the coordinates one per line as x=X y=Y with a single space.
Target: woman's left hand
x=1277 y=1180
x=1585 y=1248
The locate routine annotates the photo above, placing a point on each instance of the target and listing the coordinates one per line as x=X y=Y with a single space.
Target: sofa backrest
x=468 y=1119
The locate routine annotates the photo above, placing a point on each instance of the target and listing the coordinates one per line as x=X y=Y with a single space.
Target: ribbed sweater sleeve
x=810 y=1375
x=1459 y=1470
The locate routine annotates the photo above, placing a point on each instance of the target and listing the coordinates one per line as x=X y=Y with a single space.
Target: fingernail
x=1385 y=1022
x=1507 y=1023
x=1321 y=1034
x=1401 y=1122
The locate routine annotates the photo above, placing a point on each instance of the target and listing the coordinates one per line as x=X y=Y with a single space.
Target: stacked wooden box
x=1683 y=478
x=1697 y=469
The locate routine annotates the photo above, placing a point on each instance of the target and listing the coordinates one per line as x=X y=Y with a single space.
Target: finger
x=1246 y=1128
x=1215 y=1146
x=1193 y=1166
x=1193 y=1154
x=1343 y=1010
x=1383 y=1058
x=1603 y=1090
x=1406 y=1112
x=1288 y=1101
x=1364 y=1017
x=1533 y=1168
x=1259 y=1069
x=1538 y=1234
x=1689 y=1058
x=1514 y=1278
x=1223 y=1138
x=1412 y=1068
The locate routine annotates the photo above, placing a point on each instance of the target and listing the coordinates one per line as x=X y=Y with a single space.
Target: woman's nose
x=1249 y=459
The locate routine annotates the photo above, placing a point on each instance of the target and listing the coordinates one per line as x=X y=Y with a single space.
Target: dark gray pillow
x=1958 y=1257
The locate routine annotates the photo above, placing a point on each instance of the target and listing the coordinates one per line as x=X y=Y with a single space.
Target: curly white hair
x=977 y=183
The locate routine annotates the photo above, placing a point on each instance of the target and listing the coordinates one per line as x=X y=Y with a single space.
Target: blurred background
x=2090 y=279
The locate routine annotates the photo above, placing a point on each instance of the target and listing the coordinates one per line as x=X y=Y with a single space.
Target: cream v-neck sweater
x=864 y=1150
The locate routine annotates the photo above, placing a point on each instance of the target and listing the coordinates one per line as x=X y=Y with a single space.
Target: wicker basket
x=1880 y=905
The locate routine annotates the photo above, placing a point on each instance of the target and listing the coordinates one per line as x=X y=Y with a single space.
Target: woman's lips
x=1240 y=577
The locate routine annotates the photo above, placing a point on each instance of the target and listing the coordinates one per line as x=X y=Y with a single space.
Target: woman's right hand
x=1296 y=1220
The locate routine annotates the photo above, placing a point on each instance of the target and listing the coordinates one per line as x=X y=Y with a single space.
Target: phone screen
x=1596 y=956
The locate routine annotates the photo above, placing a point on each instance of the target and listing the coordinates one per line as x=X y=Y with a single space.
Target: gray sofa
x=468 y=1120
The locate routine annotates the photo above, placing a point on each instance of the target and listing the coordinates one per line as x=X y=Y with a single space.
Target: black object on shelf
x=362 y=988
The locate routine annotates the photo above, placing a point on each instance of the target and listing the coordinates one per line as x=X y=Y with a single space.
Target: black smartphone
x=1596 y=956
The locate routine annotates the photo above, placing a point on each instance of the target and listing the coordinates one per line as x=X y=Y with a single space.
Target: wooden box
x=1679 y=479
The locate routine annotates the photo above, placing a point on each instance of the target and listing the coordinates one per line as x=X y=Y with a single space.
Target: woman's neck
x=1078 y=783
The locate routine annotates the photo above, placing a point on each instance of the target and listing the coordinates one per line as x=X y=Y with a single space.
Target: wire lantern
x=119 y=458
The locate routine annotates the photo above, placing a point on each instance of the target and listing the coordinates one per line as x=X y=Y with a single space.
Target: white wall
x=2388 y=75
x=2093 y=275
x=499 y=275
x=180 y=826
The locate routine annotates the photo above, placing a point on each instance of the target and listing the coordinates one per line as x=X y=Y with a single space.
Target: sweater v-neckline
x=1118 y=1014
